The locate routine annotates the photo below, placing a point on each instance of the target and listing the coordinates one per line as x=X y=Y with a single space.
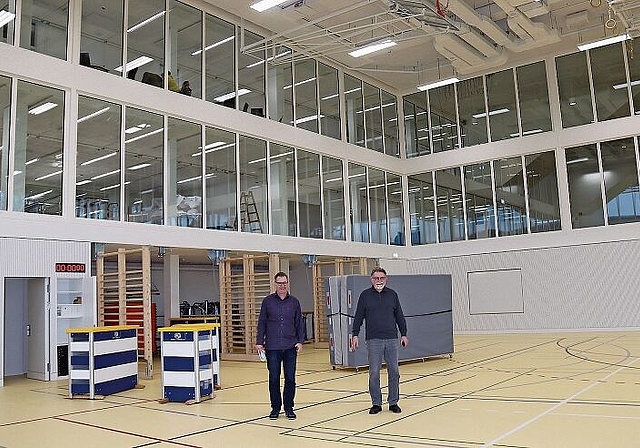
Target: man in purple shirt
x=280 y=335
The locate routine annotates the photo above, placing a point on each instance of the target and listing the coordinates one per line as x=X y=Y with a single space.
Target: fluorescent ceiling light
x=371 y=48
x=39 y=195
x=15 y=173
x=504 y=110
x=335 y=179
x=97 y=159
x=83 y=182
x=442 y=82
x=6 y=17
x=211 y=147
x=111 y=187
x=263 y=5
x=31 y=161
x=578 y=160
x=624 y=86
x=100 y=176
x=300 y=83
x=230 y=95
x=139 y=167
x=144 y=22
x=143 y=136
x=603 y=42
x=46 y=176
x=136 y=128
x=93 y=115
x=42 y=108
x=191 y=179
x=138 y=62
x=214 y=45
x=309 y=118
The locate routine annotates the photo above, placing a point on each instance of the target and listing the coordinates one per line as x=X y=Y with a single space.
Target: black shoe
x=375 y=409
x=290 y=414
x=395 y=409
x=273 y=415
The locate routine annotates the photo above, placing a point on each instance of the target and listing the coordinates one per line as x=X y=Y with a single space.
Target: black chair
x=152 y=79
x=85 y=59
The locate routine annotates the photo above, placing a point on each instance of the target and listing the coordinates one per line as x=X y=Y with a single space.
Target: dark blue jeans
x=287 y=359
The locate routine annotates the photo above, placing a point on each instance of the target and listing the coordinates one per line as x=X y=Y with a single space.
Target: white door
x=38 y=324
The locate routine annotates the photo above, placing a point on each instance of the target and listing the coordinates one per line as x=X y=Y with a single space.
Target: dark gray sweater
x=383 y=314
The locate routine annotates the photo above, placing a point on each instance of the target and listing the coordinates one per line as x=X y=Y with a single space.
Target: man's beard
x=378 y=286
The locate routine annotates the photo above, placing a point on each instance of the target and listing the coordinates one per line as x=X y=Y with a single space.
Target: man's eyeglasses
x=379 y=279
x=282 y=283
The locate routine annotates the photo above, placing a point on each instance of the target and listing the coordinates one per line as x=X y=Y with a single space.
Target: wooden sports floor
x=561 y=390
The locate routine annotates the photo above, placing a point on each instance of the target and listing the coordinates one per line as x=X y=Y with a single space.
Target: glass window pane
x=44 y=27
x=279 y=79
x=510 y=200
x=449 y=203
x=251 y=75
x=359 y=203
x=620 y=180
x=185 y=55
x=329 y=101
x=422 y=209
x=219 y=62
x=390 y=124
x=609 y=82
x=378 y=206
x=145 y=42
x=542 y=188
x=633 y=48
x=473 y=116
x=479 y=201
x=253 y=185
x=39 y=141
x=444 y=132
x=101 y=35
x=220 y=178
x=355 y=116
x=98 y=159
x=7 y=30
x=305 y=90
x=396 y=211
x=333 y=197
x=373 y=117
x=585 y=199
x=5 y=149
x=309 y=194
x=416 y=125
x=283 y=190
x=143 y=161
x=573 y=86
x=501 y=97
x=184 y=196
x=533 y=95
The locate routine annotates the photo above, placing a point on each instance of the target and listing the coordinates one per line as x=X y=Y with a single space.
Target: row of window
x=595 y=85
x=510 y=196
x=175 y=46
x=138 y=166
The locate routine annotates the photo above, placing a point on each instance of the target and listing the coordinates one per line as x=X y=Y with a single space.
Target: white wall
x=580 y=287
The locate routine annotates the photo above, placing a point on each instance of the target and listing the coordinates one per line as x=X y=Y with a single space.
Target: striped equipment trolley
x=190 y=362
x=102 y=360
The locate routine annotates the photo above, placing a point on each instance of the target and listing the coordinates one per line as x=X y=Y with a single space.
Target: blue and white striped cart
x=190 y=362
x=102 y=360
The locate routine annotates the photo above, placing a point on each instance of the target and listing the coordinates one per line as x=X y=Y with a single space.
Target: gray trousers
x=387 y=350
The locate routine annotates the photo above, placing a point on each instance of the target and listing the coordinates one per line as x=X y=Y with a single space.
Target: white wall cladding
x=582 y=287
x=37 y=258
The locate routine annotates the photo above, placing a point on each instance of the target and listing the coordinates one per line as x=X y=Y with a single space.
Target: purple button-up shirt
x=280 y=325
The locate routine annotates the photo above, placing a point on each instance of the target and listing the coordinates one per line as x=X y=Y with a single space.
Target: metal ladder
x=249 y=218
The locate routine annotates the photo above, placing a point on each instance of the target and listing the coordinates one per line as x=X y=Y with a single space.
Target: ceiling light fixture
x=603 y=42
x=144 y=22
x=138 y=62
x=214 y=45
x=97 y=159
x=139 y=167
x=372 y=48
x=93 y=115
x=440 y=83
x=230 y=95
x=6 y=17
x=37 y=196
x=263 y=5
x=624 y=86
x=100 y=176
x=504 y=110
x=46 y=176
x=42 y=108
x=131 y=140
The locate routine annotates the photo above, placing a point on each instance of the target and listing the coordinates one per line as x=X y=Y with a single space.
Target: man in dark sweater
x=280 y=335
x=381 y=309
